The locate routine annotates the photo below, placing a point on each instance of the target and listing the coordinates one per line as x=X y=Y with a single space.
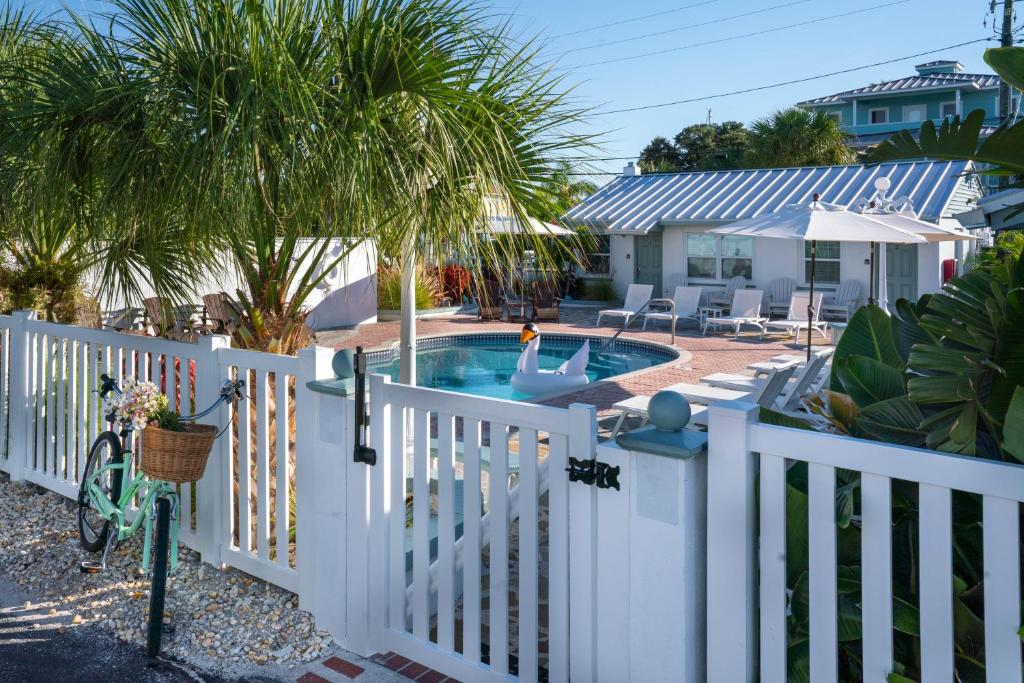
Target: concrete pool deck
x=713 y=353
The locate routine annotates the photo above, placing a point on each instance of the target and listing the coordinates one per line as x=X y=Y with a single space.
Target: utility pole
x=1006 y=40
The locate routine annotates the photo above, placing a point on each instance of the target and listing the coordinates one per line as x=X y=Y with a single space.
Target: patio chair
x=796 y=320
x=124 y=320
x=808 y=380
x=763 y=367
x=165 y=320
x=545 y=302
x=686 y=299
x=636 y=297
x=725 y=297
x=843 y=303
x=780 y=291
x=490 y=301
x=745 y=310
x=765 y=396
x=221 y=315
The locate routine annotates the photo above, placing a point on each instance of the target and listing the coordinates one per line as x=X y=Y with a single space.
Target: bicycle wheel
x=159 y=583
x=92 y=526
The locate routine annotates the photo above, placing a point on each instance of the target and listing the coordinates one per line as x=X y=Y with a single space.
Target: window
x=826 y=269
x=711 y=257
x=878 y=116
x=915 y=113
x=947 y=110
x=837 y=115
x=598 y=259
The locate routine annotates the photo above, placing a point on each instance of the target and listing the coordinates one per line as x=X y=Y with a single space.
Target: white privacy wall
x=346 y=297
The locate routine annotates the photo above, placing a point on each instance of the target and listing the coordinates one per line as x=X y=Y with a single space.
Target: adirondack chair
x=796 y=319
x=844 y=302
x=545 y=302
x=221 y=315
x=636 y=297
x=686 y=299
x=745 y=310
x=490 y=301
x=724 y=298
x=780 y=291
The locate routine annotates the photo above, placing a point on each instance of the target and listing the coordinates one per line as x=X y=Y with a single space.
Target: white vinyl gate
x=473 y=570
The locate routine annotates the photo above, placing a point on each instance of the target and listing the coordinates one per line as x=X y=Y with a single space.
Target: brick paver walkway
x=714 y=353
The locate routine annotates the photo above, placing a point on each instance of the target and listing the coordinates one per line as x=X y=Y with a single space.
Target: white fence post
x=322 y=445
x=213 y=491
x=19 y=416
x=732 y=544
x=582 y=549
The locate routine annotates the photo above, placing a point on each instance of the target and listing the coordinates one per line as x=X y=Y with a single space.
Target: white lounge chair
x=724 y=298
x=796 y=320
x=808 y=380
x=844 y=302
x=780 y=291
x=765 y=396
x=745 y=310
x=636 y=297
x=763 y=367
x=686 y=299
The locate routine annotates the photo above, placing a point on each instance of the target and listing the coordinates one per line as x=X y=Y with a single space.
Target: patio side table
x=706 y=312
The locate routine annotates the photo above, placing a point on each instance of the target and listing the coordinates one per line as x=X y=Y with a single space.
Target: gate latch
x=593 y=473
x=362 y=452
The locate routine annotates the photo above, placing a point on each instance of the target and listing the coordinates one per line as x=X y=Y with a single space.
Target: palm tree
x=267 y=130
x=797 y=137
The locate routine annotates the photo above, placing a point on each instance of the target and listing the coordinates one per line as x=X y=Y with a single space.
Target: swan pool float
x=530 y=379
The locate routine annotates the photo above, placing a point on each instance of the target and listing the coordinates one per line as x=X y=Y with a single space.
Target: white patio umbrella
x=898 y=214
x=814 y=221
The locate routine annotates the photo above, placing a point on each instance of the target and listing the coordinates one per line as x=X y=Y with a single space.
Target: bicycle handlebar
x=229 y=391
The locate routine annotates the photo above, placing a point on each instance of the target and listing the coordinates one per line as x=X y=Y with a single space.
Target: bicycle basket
x=177 y=457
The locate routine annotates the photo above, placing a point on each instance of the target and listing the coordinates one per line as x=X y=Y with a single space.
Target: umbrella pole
x=810 y=301
x=871 y=278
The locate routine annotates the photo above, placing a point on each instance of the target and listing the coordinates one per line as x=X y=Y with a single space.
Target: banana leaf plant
x=945 y=373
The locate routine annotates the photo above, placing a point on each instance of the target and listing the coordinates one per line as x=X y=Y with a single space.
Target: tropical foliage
x=797 y=137
x=279 y=134
x=946 y=373
x=1001 y=152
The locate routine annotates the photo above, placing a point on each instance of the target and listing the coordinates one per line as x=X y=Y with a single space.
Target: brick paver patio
x=713 y=353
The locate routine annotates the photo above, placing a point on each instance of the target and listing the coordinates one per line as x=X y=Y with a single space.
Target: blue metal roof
x=910 y=84
x=636 y=204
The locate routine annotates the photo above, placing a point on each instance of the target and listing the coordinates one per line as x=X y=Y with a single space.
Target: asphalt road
x=32 y=648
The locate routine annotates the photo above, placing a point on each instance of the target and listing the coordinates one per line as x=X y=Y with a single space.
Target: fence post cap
x=210 y=342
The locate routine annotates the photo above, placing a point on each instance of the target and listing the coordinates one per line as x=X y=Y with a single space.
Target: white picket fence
x=240 y=512
x=746 y=555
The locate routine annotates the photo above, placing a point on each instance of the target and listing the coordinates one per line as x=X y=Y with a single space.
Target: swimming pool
x=481 y=364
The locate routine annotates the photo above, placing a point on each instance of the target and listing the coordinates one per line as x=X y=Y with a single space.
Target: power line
x=635 y=19
x=684 y=28
x=790 y=82
x=740 y=36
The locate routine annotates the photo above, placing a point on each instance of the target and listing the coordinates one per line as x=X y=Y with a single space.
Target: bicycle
x=107 y=492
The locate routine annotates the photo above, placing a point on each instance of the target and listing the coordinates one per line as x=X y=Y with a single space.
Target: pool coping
x=682 y=356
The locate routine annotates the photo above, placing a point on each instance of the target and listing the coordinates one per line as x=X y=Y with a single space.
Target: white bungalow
x=656 y=225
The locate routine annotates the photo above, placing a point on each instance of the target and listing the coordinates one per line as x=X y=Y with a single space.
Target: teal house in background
x=939 y=90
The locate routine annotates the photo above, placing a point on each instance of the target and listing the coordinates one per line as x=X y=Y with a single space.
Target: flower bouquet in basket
x=173 y=449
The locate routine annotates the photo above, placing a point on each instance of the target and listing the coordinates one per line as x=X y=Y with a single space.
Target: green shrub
x=389 y=289
x=599 y=290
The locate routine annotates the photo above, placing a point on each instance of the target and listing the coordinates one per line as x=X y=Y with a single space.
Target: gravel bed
x=215 y=618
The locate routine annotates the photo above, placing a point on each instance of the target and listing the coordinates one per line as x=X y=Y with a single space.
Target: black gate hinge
x=594 y=473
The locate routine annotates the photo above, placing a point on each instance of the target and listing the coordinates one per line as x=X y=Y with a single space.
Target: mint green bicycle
x=107 y=492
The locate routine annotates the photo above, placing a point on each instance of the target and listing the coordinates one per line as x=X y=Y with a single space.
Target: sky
x=704 y=56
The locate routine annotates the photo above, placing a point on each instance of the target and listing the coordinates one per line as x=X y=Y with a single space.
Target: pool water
x=481 y=364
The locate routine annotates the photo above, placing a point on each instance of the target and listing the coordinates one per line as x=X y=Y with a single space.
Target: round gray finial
x=668 y=411
x=344 y=364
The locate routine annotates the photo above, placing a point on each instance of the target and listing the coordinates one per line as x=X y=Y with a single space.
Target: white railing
x=747 y=615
